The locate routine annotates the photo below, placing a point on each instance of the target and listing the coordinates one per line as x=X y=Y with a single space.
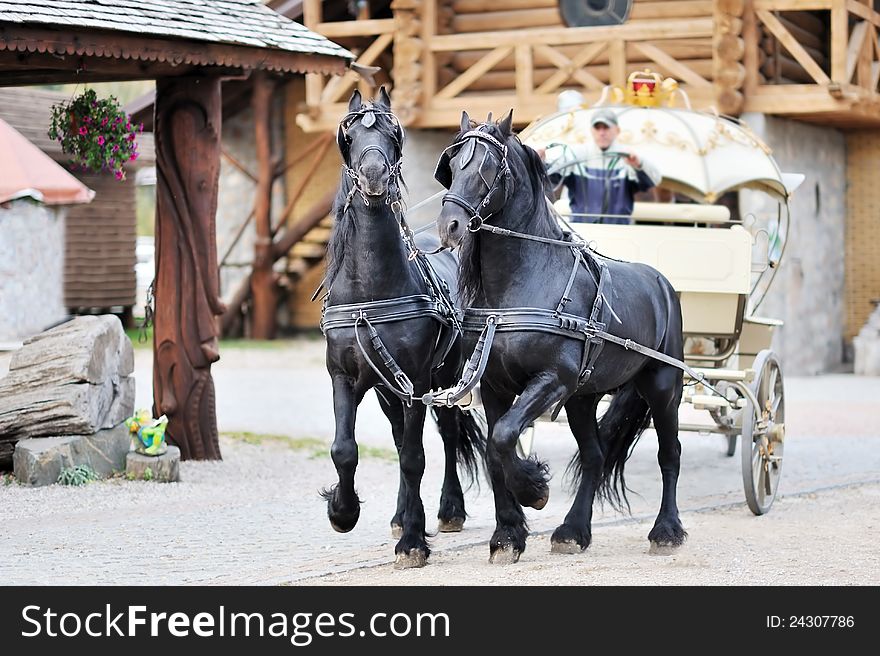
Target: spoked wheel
x=763 y=434
x=525 y=442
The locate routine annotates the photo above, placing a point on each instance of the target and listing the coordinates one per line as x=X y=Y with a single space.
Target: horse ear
x=355 y=103
x=465 y=121
x=383 y=98
x=506 y=123
x=342 y=142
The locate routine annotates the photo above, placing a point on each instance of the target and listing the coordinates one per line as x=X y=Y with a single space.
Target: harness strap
x=405 y=392
x=473 y=370
x=392 y=309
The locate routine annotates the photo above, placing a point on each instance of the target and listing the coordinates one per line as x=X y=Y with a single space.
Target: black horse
x=390 y=325
x=548 y=299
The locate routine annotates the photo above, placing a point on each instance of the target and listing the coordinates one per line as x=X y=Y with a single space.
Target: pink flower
x=128 y=126
x=104 y=121
x=130 y=137
x=120 y=175
x=83 y=131
x=133 y=157
x=115 y=148
x=100 y=141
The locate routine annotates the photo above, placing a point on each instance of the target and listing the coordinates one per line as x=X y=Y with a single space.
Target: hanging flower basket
x=97 y=134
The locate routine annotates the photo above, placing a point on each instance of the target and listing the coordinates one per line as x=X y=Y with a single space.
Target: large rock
x=74 y=379
x=39 y=460
x=866 y=346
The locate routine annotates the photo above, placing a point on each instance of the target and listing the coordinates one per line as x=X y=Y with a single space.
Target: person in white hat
x=605 y=177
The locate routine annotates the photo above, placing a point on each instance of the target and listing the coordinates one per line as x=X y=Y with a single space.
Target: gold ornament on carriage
x=646 y=88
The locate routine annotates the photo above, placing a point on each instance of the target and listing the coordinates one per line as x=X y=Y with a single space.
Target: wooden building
x=805 y=72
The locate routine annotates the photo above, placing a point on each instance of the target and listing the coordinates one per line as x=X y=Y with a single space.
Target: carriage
x=720 y=264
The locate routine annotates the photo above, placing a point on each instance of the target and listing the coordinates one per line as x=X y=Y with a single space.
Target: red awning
x=26 y=171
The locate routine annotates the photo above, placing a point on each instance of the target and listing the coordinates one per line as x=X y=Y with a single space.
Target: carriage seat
x=680 y=213
x=710 y=269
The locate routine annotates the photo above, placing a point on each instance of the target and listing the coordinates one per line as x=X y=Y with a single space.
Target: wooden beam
x=839 y=40
x=647 y=31
x=617 y=62
x=750 y=56
x=863 y=11
x=339 y=85
x=570 y=68
x=370 y=27
x=854 y=49
x=262 y=277
x=676 y=68
x=475 y=71
x=429 y=67
x=866 y=56
x=793 y=99
x=788 y=41
x=792 y=5
x=525 y=83
x=312 y=13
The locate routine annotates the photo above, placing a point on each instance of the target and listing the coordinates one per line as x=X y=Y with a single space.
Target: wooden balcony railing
x=836 y=77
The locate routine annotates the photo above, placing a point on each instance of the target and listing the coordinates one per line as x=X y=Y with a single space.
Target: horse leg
x=343 y=505
x=574 y=534
x=526 y=479
x=662 y=389
x=412 y=548
x=451 y=513
x=393 y=409
x=509 y=539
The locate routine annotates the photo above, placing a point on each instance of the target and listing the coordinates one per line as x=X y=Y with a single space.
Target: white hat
x=569 y=99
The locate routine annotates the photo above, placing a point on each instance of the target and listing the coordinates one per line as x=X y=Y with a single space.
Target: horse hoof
x=396 y=531
x=415 y=558
x=566 y=547
x=663 y=549
x=340 y=529
x=540 y=503
x=504 y=557
x=453 y=525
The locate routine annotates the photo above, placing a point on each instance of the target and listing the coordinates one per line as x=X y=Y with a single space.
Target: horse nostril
x=453 y=226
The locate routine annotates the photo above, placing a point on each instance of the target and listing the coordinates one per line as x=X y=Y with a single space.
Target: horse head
x=476 y=172
x=370 y=140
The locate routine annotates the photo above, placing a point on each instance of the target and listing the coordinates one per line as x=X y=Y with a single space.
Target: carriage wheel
x=523 y=445
x=763 y=438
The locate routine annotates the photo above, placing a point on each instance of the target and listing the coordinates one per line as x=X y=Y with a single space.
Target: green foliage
x=7 y=479
x=96 y=133
x=148 y=474
x=77 y=475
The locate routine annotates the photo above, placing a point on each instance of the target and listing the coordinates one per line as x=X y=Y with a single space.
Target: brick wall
x=862 y=228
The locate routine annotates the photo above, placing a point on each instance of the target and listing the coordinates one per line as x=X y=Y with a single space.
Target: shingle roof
x=233 y=22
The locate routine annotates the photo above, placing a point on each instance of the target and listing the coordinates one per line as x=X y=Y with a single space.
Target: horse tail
x=619 y=430
x=471 y=444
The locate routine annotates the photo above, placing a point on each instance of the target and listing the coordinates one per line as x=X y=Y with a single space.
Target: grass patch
x=144 y=340
x=316 y=447
x=136 y=336
x=7 y=479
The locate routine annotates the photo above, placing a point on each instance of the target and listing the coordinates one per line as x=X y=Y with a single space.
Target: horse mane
x=470 y=281
x=344 y=225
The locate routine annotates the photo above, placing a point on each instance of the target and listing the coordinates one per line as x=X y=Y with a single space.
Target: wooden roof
x=137 y=39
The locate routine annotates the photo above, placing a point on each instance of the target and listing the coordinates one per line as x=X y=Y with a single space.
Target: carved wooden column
x=407 y=93
x=187 y=284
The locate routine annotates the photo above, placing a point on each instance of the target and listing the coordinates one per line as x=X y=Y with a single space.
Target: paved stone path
x=256 y=518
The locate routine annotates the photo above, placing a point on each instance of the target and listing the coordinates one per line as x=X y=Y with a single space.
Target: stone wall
x=808 y=290
x=31 y=269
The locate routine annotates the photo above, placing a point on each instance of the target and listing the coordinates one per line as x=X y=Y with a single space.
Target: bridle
x=366 y=116
x=443 y=174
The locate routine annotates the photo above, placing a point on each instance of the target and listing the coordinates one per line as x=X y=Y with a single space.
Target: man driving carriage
x=603 y=177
